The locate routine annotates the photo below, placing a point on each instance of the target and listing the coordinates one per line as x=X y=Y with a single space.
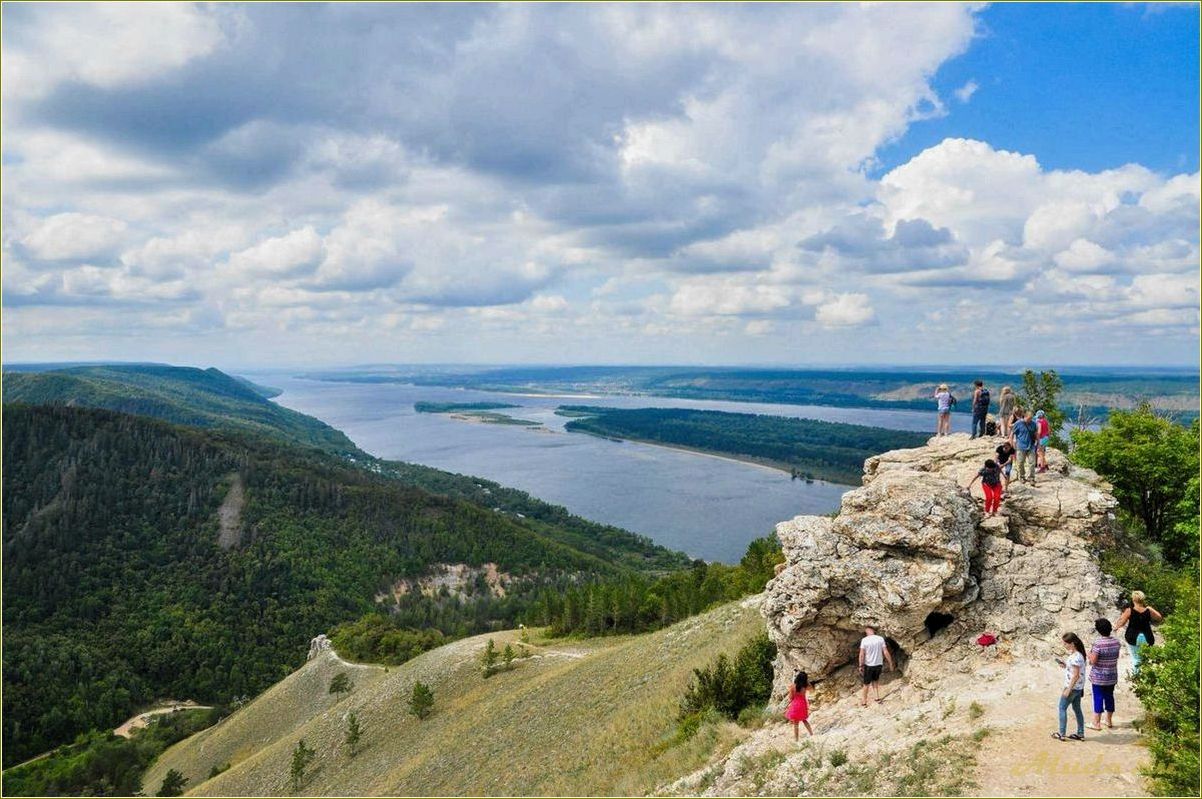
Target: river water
x=706 y=506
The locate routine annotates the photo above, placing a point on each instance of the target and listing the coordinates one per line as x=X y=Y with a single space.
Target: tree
x=1167 y=684
x=421 y=701
x=507 y=656
x=489 y=658
x=341 y=684
x=1150 y=461
x=1040 y=392
x=173 y=784
x=353 y=734
x=302 y=756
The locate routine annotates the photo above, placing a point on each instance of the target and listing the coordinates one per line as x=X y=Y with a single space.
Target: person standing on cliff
x=980 y=408
x=943 y=403
x=1025 y=438
x=874 y=654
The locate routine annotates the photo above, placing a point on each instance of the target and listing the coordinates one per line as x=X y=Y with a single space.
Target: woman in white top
x=943 y=403
x=1074 y=686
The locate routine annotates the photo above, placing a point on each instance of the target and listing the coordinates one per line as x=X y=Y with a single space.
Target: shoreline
x=745 y=460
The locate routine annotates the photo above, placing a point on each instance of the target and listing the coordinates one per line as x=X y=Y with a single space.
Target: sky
x=899 y=183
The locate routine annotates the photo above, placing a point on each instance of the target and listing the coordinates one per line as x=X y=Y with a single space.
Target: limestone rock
x=910 y=553
x=318 y=645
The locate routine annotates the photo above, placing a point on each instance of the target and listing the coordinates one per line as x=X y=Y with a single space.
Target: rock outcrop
x=318 y=645
x=911 y=554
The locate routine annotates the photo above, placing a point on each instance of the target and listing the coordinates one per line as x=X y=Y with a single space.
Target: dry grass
x=583 y=718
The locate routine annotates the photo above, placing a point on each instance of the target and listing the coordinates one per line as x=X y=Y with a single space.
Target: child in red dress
x=799 y=706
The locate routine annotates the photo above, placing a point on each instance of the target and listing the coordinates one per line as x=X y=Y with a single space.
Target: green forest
x=183 y=395
x=824 y=450
x=635 y=604
x=117 y=592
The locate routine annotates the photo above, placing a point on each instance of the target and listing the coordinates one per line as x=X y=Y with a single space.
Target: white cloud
x=845 y=310
x=72 y=236
x=106 y=44
x=297 y=252
x=965 y=92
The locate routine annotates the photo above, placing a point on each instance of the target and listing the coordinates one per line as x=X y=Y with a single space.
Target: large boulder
x=911 y=554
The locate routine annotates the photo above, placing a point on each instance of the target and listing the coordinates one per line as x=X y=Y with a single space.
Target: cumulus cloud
x=328 y=172
x=74 y=236
x=845 y=310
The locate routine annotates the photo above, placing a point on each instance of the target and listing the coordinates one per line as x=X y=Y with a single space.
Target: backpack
x=983 y=399
x=991 y=428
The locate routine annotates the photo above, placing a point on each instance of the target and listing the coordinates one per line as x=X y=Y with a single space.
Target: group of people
x=1102 y=674
x=1103 y=661
x=1025 y=435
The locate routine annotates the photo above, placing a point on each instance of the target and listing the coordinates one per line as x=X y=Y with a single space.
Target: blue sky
x=1042 y=68
x=789 y=184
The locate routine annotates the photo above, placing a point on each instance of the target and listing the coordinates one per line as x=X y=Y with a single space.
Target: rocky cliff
x=911 y=553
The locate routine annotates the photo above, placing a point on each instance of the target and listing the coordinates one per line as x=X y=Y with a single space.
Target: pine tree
x=301 y=757
x=489 y=658
x=341 y=683
x=353 y=734
x=173 y=784
x=421 y=702
x=507 y=656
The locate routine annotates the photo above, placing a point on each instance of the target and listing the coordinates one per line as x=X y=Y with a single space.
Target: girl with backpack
x=990 y=476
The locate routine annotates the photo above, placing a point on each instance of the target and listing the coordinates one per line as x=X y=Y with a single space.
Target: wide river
x=707 y=506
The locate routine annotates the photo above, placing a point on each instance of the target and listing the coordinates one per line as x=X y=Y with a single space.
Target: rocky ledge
x=911 y=553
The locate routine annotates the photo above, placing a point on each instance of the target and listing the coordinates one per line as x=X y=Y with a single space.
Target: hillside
x=211 y=399
x=908 y=553
x=143 y=559
x=806 y=447
x=580 y=718
x=183 y=395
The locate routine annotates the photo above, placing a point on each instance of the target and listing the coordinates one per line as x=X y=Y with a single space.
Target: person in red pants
x=990 y=476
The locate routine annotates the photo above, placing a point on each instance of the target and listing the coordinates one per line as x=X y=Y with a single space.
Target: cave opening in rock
x=936 y=621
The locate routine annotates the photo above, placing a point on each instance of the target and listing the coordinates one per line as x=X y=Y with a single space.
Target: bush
x=421 y=701
x=1167 y=684
x=173 y=784
x=730 y=687
x=376 y=639
x=837 y=758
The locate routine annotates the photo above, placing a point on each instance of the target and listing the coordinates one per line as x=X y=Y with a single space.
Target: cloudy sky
x=895 y=183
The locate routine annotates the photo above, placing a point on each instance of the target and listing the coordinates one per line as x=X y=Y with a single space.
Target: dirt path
x=1024 y=760
x=142 y=719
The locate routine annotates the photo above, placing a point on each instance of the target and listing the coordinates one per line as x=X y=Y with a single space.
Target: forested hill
x=184 y=395
x=211 y=399
x=807 y=447
x=117 y=590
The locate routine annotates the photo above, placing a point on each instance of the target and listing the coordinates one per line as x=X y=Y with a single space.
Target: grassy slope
x=584 y=721
x=182 y=395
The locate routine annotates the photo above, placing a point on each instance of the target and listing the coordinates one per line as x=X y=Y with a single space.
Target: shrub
x=837 y=758
x=173 y=784
x=1167 y=684
x=730 y=687
x=421 y=701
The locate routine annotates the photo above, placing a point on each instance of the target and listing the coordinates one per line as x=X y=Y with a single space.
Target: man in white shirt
x=874 y=654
